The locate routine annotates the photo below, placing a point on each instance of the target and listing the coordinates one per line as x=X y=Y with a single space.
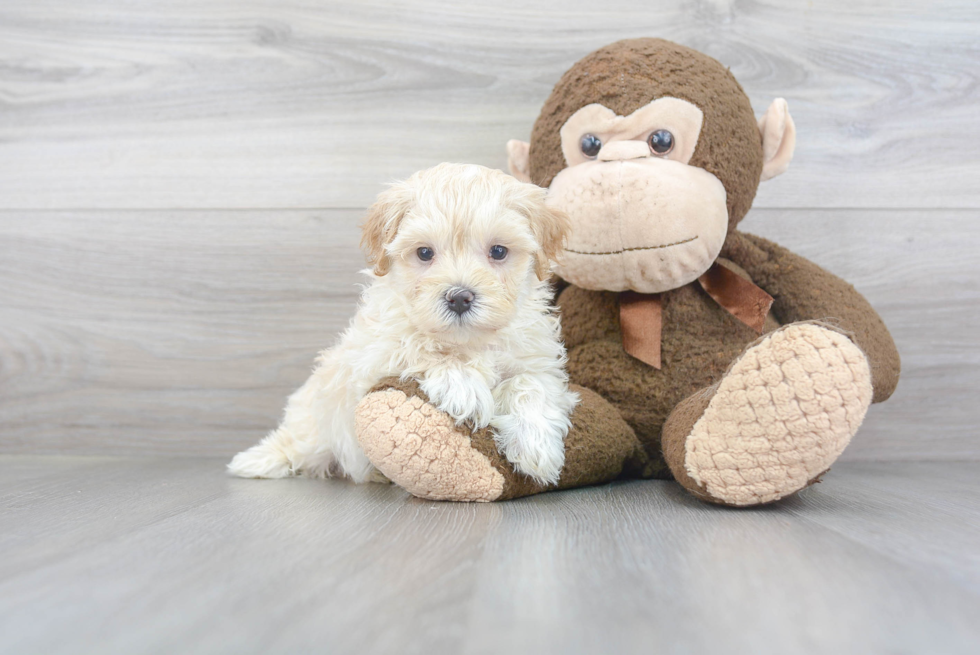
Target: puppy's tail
x=266 y=459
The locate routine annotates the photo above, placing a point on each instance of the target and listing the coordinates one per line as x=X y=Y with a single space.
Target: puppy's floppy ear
x=549 y=225
x=381 y=224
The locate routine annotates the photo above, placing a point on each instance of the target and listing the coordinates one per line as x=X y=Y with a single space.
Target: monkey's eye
x=498 y=252
x=591 y=145
x=425 y=254
x=661 y=142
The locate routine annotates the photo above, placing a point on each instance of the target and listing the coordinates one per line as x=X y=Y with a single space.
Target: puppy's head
x=463 y=244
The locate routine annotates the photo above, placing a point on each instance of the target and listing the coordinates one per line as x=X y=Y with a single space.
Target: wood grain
x=298 y=104
x=145 y=555
x=182 y=332
x=173 y=328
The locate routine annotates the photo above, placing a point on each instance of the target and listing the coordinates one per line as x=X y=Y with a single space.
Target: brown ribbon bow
x=641 y=314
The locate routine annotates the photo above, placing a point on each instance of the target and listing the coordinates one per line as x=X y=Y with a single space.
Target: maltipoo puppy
x=459 y=299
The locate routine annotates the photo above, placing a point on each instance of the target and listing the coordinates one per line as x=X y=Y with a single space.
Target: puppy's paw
x=262 y=460
x=533 y=445
x=462 y=394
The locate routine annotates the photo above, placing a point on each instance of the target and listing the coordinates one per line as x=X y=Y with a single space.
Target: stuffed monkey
x=701 y=353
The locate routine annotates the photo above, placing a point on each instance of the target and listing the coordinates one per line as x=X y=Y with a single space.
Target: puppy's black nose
x=460 y=300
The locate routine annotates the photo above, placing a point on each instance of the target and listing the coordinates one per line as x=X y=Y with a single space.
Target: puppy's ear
x=549 y=225
x=381 y=225
x=550 y=228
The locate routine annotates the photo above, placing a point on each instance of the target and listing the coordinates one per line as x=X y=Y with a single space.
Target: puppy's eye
x=661 y=142
x=498 y=252
x=425 y=254
x=591 y=145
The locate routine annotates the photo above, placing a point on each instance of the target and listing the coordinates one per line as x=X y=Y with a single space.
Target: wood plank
x=51 y=513
x=301 y=565
x=174 y=328
x=183 y=332
x=700 y=572
x=890 y=506
x=245 y=104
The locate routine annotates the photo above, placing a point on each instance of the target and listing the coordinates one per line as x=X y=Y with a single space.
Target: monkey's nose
x=620 y=150
x=460 y=300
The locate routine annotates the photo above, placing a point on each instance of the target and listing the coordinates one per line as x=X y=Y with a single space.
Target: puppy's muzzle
x=460 y=300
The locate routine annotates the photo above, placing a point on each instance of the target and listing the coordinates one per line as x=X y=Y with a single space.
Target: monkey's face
x=642 y=218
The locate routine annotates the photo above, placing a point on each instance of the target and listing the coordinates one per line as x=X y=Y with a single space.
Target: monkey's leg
x=777 y=420
x=421 y=449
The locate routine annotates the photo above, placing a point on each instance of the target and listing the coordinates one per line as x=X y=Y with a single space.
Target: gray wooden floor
x=154 y=555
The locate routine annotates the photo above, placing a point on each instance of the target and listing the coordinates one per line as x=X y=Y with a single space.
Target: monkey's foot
x=781 y=415
x=420 y=448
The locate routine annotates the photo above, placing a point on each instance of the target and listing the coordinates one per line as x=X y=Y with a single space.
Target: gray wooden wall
x=181 y=181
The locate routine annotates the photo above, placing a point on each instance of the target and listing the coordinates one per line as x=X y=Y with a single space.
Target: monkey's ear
x=778 y=139
x=381 y=225
x=519 y=160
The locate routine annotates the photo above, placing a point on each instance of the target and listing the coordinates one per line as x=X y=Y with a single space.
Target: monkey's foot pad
x=780 y=417
x=420 y=448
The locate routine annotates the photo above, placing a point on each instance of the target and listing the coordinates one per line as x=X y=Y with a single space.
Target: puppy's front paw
x=463 y=395
x=535 y=446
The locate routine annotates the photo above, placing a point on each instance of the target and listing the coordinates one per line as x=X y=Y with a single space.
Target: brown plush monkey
x=701 y=353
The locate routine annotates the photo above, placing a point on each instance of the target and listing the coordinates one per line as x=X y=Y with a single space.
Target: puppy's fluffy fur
x=498 y=364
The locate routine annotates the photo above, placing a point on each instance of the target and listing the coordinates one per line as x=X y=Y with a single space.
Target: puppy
x=459 y=299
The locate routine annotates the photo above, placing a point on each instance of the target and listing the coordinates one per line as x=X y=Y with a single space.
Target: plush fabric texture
x=778 y=419
x=641 y=317
x=699 y=340
x=803 y=291
x=645 y=225
x=421 y=449
x=677 y=429
x=411 y=442
x=629 y=74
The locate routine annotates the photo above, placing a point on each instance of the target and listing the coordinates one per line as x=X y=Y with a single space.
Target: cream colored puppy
x=459 y=299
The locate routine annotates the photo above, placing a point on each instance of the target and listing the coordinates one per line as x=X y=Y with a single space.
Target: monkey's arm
x=803 y=291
